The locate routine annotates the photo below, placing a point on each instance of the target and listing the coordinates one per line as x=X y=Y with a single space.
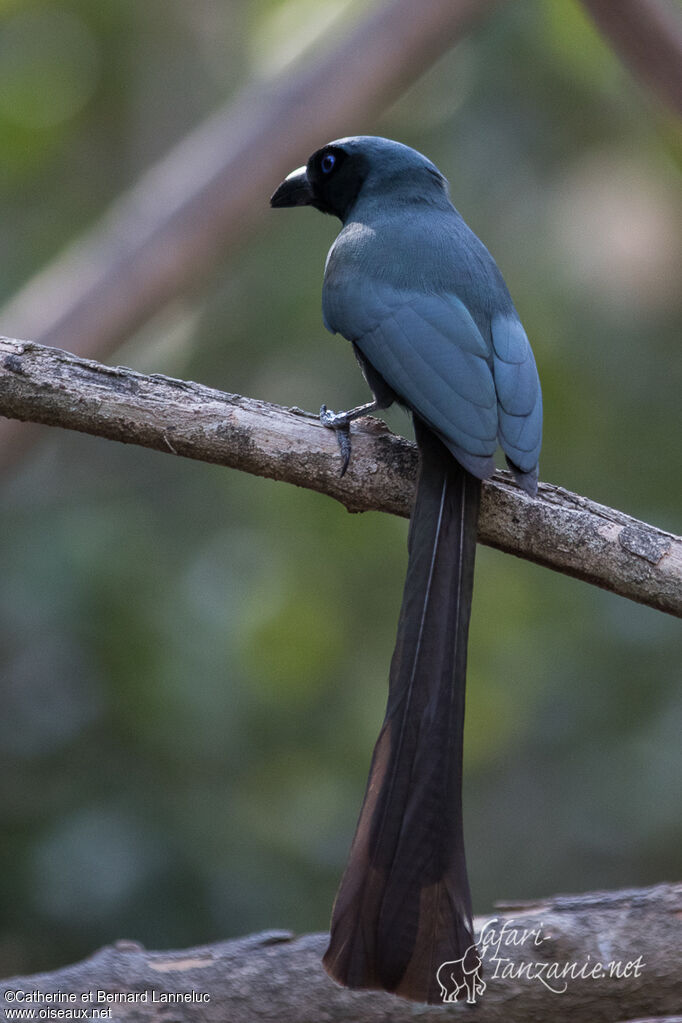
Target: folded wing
x=429 y=350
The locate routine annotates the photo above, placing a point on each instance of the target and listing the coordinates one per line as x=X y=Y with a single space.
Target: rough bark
x=562 y=969
x=560 y=530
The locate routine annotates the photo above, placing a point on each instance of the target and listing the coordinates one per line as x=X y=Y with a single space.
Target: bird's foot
x=334 y=420
x=340 y=423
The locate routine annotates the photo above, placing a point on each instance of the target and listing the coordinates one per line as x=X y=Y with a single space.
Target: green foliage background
x=193 y=662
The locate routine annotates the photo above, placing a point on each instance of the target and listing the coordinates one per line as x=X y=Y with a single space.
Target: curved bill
x=294 y=191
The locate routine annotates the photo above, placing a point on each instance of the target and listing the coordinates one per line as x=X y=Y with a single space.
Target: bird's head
x=364 y=166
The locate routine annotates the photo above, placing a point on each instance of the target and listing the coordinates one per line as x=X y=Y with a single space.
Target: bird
x=434 y=328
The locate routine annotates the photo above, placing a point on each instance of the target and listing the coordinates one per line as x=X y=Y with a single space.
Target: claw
x=343 y=437
x=338 y=422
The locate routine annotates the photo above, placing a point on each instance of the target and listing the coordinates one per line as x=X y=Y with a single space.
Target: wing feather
x=518 y=392
x=471 y=390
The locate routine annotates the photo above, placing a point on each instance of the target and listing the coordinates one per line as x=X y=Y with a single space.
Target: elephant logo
x=460 y=975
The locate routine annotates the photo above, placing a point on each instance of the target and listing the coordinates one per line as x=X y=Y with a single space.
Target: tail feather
x=403 y=906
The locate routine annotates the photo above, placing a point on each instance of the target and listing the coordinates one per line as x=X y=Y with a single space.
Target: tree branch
x=559 y=529
x=648 y=38
x=277 y=976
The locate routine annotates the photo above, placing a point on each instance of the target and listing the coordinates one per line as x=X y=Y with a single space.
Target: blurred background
x=193 y=662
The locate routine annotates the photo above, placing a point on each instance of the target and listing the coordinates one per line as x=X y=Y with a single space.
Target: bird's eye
x=328 y=163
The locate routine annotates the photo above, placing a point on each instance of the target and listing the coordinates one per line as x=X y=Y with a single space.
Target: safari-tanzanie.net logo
x=461 y=980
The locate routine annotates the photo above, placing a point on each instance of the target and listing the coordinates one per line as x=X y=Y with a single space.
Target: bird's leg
x=340 y=422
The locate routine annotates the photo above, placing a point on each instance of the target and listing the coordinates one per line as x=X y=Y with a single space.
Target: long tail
x=403 y=907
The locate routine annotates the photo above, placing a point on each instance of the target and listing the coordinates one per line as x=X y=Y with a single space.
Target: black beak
x=294 y=191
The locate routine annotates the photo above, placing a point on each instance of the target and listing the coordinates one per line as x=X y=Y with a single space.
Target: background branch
x=560 y=530
x=277 y=976
x=648 y=38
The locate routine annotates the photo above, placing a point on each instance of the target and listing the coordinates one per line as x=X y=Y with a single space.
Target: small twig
x=560 y=530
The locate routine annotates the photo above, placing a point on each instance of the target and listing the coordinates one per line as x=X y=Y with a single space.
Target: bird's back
x=424 y=302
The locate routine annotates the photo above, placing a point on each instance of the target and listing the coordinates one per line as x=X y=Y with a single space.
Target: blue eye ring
x=327 y=163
